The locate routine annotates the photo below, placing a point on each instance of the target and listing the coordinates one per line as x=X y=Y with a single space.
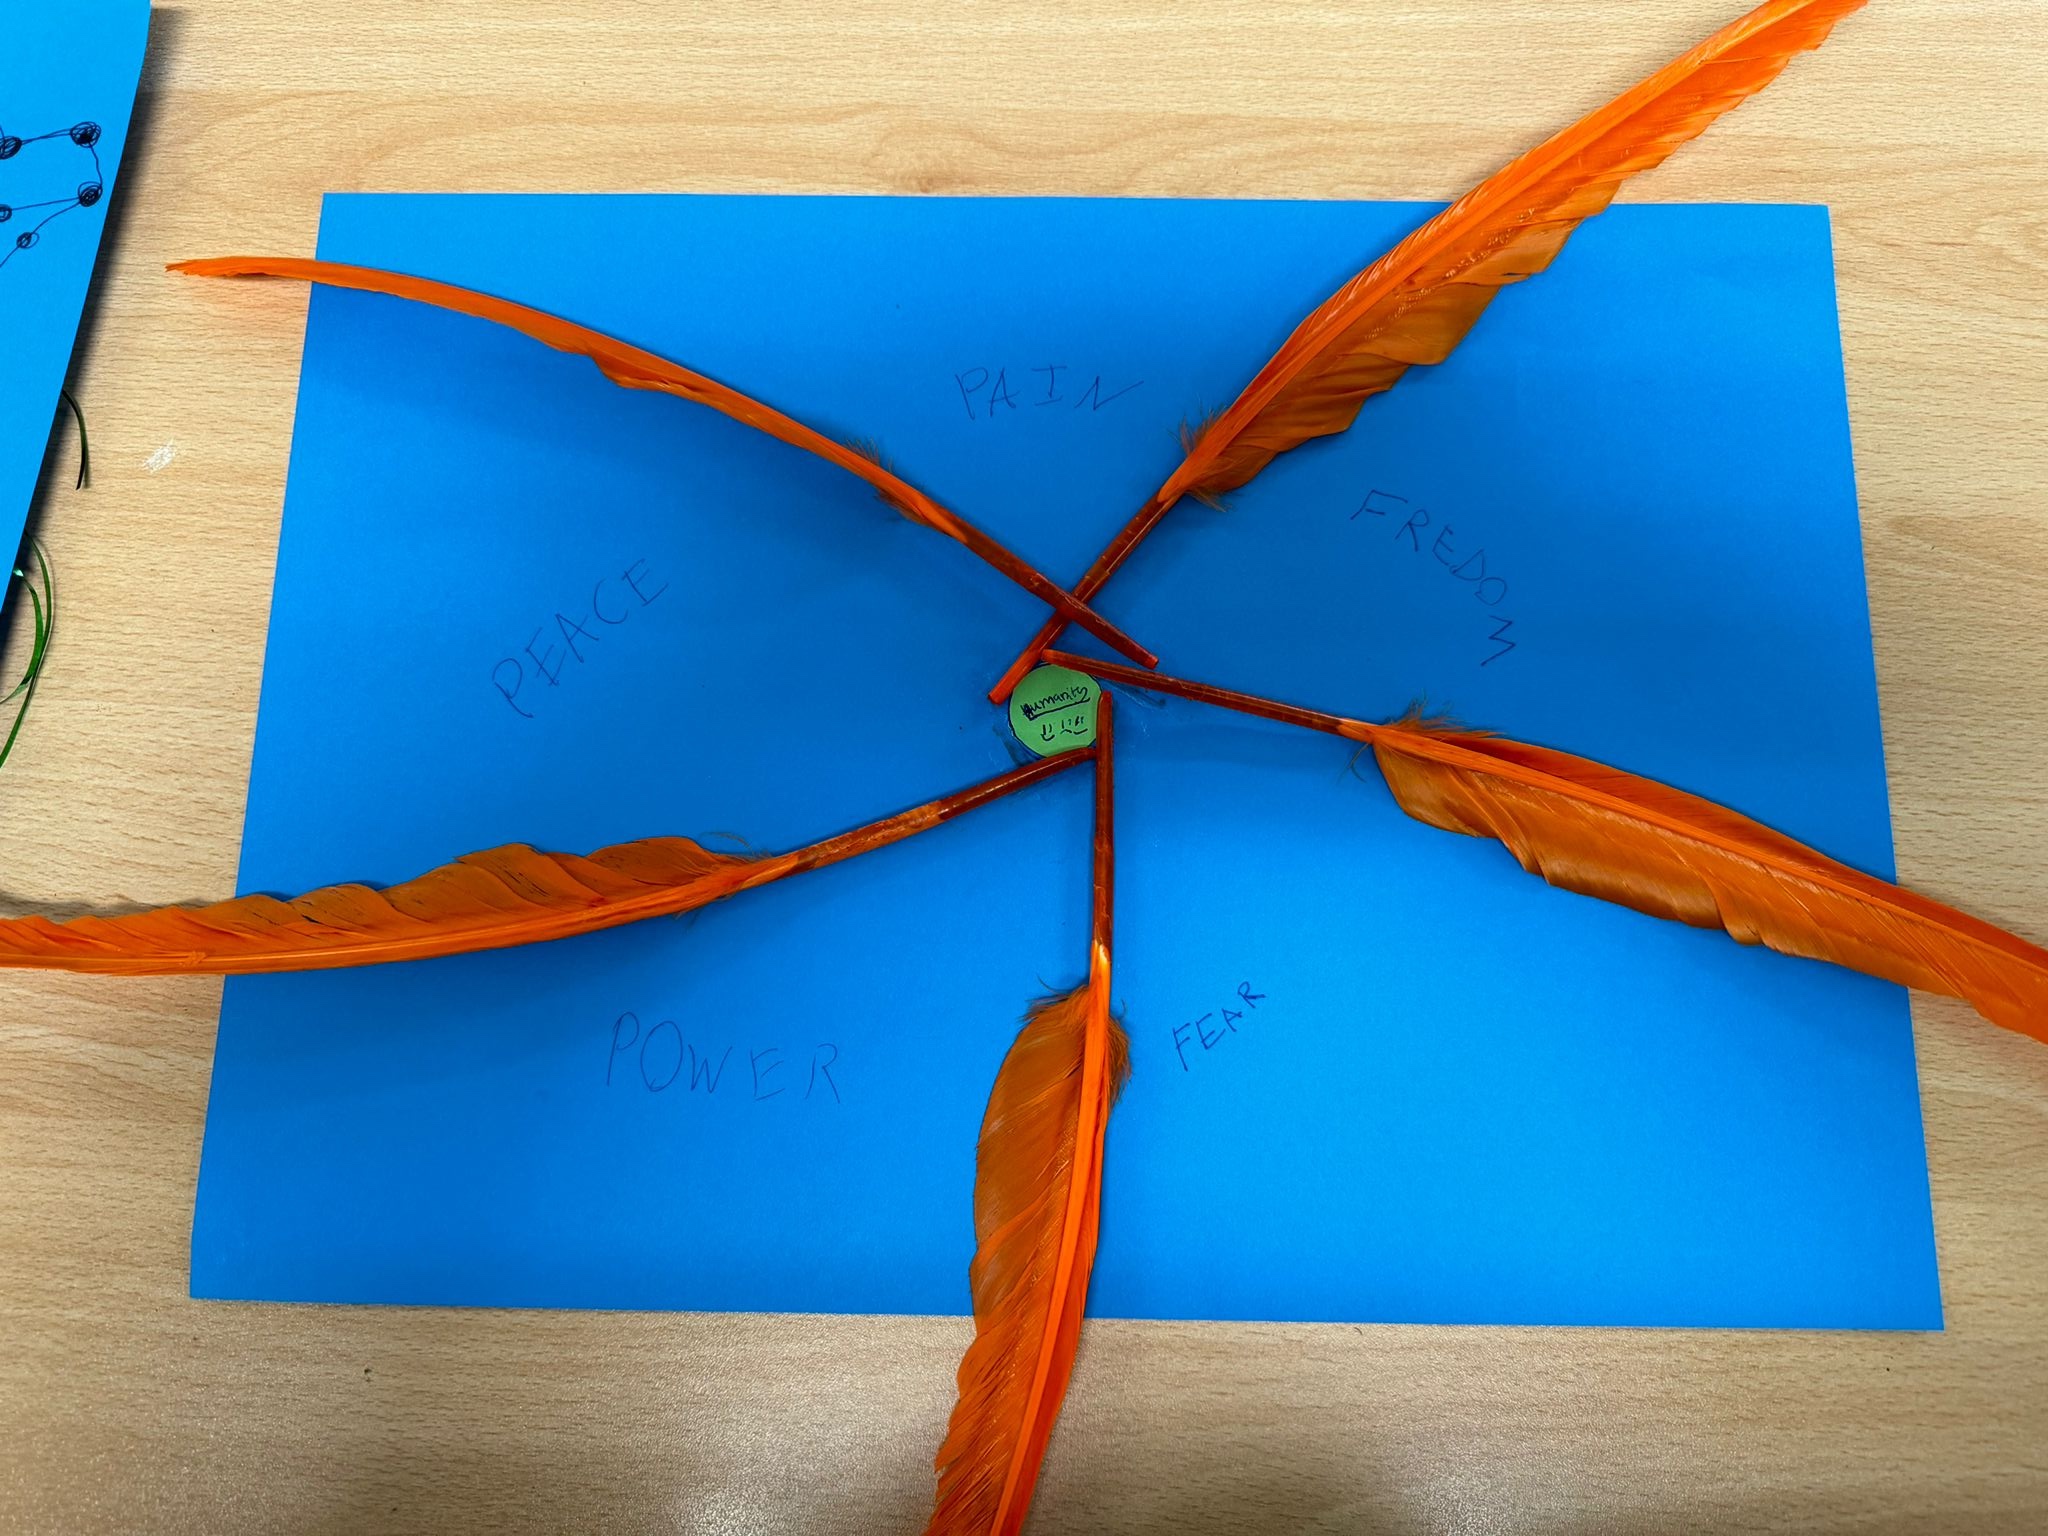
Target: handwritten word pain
x=993 y=394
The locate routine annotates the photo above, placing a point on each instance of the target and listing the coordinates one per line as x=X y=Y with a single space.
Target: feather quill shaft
x=633 y=367
x=1037 y=1210
x=492 y=900
x=1601 y=832
x=1416 y=302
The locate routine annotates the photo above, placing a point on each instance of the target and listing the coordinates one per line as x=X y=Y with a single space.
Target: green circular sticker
x=1053 y=710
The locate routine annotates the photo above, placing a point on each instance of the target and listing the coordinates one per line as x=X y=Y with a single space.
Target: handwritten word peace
x=613 y=601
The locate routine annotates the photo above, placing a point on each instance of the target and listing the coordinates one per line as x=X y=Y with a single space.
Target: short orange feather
x=1037 y=1209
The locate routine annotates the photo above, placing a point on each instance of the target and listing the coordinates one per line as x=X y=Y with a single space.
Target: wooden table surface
x=125 y=1406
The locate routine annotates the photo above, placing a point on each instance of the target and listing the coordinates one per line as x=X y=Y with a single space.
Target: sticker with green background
x=1053 y=710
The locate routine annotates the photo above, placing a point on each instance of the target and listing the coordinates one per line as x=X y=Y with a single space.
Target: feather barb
x=492 y=900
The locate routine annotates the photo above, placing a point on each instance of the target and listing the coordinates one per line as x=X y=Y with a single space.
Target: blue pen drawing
x=37 y=173
x=68 y=75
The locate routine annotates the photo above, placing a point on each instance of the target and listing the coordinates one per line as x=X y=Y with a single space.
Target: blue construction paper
x=68 y=72
x=1380 y=1074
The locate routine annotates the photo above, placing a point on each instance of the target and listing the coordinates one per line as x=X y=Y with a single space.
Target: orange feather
x=1416 y=303
x=633 y=367
x=493 y=900
x=1601 y=832
x=1037 y=1209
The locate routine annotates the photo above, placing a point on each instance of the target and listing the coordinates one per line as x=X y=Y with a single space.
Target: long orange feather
x=633 y=367
x=1602 y=832
x=492 y=900
x=1416 y=302
x=1037 y=1209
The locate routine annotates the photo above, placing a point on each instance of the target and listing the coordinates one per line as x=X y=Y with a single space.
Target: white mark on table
x=161 y=459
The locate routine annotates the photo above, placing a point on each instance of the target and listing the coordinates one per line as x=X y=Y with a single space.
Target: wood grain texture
x=124 y=1406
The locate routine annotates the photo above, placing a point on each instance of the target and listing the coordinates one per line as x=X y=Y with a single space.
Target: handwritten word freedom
x=1414 y=529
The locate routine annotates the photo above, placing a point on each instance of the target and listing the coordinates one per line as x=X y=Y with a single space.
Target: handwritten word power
x=659 y=1058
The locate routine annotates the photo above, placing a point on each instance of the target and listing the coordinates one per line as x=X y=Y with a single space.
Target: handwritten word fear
x=987 y=395
x=660 y=1059
x=1419 y=531
x=568 y=640
x=1212 y=1029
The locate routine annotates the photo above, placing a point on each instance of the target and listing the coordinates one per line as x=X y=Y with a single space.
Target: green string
x=43 y=624
x=84 y=447
x=42 y=602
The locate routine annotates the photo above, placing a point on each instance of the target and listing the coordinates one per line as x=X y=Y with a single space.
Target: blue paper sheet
x=68 y=71
x=1380 y=1074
